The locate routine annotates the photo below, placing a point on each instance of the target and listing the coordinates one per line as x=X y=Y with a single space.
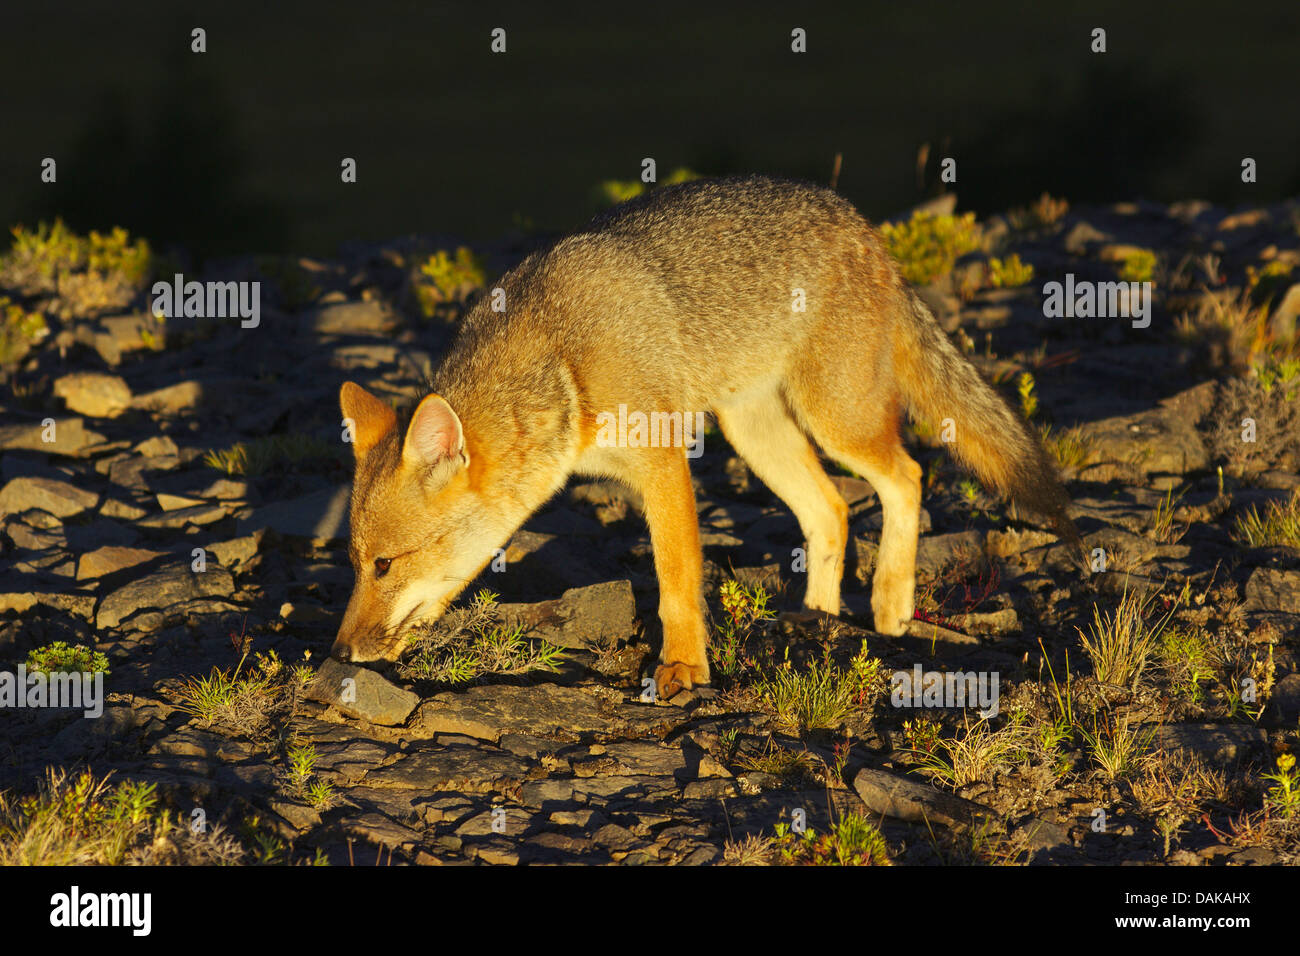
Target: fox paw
x=670 y=678
x=892 y=617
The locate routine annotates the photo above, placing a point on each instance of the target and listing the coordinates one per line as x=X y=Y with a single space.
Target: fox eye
x=381 y=566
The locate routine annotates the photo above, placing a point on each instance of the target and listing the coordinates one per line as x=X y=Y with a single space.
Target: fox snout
x=363 y=636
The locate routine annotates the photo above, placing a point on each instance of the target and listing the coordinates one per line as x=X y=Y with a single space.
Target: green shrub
x=62 y=658
x=927 y=245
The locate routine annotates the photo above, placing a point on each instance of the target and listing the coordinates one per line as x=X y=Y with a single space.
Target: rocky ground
x=104 y=530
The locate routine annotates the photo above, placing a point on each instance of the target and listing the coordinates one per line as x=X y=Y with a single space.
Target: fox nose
x=341 y=652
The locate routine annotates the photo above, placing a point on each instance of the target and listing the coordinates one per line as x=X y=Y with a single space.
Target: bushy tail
x=990 y=438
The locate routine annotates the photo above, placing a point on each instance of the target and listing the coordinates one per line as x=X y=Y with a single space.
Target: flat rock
x=1163 y=440
x=110 y=558
x=202 y=514
x=172 y=399
x=892 y=795
x=1268 y=589
x=1284 y=701
x=457 y=767
x=164 y=589
x=1217 y=743
x=59 y=498
x=581 y=617
x=321 y=514
x=538 y=710
x=934 y=552
x=353 y=318
x=94 y=393
x=71 y=602
x=69 y=436
x=369 y=696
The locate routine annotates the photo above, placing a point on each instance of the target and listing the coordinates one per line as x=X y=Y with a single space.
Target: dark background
x=238 y=149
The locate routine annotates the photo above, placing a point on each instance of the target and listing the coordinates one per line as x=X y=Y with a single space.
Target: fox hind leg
x=869 y=445
x=762 y=430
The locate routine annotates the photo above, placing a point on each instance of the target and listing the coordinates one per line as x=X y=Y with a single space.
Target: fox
x=769 y=304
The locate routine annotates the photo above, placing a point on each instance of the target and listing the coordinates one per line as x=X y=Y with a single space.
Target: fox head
x=420 y=533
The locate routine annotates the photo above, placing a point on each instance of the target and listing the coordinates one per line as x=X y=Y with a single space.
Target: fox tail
x=991 y=439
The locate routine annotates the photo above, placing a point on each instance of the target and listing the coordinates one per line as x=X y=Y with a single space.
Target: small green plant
x=1045 y=211
x=1272 y=372
x=1070 y=448
x=1162 y=518
x=976 y=754
x=1186 y=656
x=1284 y=797
x=1277 y=527
x=62 y=658
x=743 y=610
x=78 y=275
x=470 y=642
x=1233 y=335
x=19 y=331
x=1010 y=272
x=320 y=794
x=1264 y=283
x=1117 y=747
x=75 y=821
x=1138 y=265
x=922 y=735
x=447 y=278
x=270 y=453
x=302 y=761
x=792 y=767
x=246 y=703
x=301 y=765
x=1120 y=642
x=927 y=246
x=823 y=695
x=1028 y=400
x=851 y=841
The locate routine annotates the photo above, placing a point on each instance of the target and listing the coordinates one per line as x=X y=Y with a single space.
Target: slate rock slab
x=368 y=696
x=321 y=514
x=581 y=617
x=1217 y=743
x=165 y=588
x=457 y=767
x=892 y=795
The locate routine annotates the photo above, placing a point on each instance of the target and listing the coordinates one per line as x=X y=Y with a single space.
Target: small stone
x=94 y=393
x=894 y=796
x=360 y=692
x=109 y=559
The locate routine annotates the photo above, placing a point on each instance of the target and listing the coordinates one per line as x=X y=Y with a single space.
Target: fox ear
x=372 y=418
x=435 y=437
